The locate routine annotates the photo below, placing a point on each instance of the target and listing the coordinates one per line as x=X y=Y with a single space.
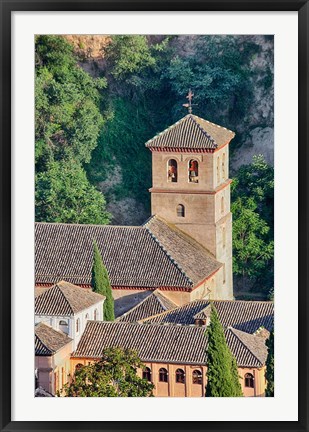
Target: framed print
x=154 y=215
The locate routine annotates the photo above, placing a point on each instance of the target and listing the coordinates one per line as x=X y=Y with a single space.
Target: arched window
x=163 y=375
x=180 y=210
x=193 y=171
x=197 y=377
x=172 y=171
x=223 y=166
x=249 y=380
x=180 y=376
x=78 y=367
x=86 y=317
x=95 y=314
x=77 y=325
x=147 y=374
x=218 y=170
x=64 y=326
x=222 y=204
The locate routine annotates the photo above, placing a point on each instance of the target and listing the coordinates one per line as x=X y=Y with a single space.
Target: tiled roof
x=247 y=348
x=163 y=343
x=154 y=304
x=133 y=256
x=247 y=316
x=38 y=290
x=191 y=132
x=65 y=299
x=48 y=341
x=190 y=256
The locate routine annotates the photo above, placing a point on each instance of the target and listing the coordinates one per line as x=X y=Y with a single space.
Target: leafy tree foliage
x=129 y=54
x=114 y=375
x=269 y=375
x=222 y=373
x=129 y=123
x=67 y=103
x=252 y=208
x=100 y=284
x=63 y=194
x=67 y=124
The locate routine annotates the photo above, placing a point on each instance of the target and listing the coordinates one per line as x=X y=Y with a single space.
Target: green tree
x=222 y=373
x=63 y=194
x=100 y=284
x=129 y=54
x=67 y=104
x=253 y=238
x=252 y=250
x=269 y=374
x=114 y=375
x=256 y=181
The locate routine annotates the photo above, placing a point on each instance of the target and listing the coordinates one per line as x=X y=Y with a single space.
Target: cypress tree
x=100 y=284
x=222 y=372
x=269 y=374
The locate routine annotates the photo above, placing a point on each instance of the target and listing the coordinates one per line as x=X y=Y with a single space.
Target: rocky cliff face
x=90 y=51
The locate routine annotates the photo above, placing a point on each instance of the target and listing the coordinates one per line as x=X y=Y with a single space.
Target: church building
x=184 y=249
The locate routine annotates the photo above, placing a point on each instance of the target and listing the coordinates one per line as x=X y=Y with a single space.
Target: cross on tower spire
x=189 y=105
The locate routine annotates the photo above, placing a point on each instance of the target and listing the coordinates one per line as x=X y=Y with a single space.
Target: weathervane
x=190 y=104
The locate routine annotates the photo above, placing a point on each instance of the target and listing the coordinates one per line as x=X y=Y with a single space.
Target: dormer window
x=172 y=171
x=193 y=171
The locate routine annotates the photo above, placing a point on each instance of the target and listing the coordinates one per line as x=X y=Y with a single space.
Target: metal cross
x=189 y=105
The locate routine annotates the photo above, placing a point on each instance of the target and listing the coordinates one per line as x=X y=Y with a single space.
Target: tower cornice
x=192 y=191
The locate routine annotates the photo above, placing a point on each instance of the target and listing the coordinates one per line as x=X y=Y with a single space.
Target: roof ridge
x=63 y=294
x=159 y=296
x=134 y=307
x=232 y=329
x=203 y=130
x=214 y=124
x=179 y=231
x=48 y=349
x=88 y=225
x=174 y=262
x=168 y=128
x=155 y=315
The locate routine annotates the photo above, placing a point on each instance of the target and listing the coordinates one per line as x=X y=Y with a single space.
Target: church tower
x=191 y=187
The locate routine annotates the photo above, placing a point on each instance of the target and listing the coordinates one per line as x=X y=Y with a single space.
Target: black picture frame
x=7 y=7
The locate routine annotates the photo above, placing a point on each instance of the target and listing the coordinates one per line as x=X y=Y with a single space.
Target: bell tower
x=191 y=187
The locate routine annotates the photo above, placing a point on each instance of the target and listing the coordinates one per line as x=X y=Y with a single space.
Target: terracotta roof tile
x=154 y=304
x=48 y=341
x=191 y=132
x=134 y=256
x=247 y=316
x=163 y=343
x=193 y=259
x=65 y=299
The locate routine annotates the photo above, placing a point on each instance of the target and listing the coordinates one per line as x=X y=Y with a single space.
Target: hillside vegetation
x=100 y=98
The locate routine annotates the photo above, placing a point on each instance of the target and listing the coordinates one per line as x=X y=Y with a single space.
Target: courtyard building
x=174 y=355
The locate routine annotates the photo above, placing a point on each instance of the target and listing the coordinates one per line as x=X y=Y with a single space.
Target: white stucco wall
x=53 y=321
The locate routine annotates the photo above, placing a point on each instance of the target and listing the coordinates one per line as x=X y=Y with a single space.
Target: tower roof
x=191 y=132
